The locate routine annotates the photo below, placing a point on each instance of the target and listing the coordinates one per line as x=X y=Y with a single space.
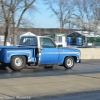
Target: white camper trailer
x=60 y=39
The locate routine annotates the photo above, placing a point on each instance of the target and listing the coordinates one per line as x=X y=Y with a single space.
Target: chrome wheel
x=69 y=62
x=18 y=62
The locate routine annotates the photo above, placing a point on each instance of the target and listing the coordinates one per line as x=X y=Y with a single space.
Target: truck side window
x=47 y=43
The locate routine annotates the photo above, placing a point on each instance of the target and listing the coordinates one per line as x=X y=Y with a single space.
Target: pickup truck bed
x=7 y=52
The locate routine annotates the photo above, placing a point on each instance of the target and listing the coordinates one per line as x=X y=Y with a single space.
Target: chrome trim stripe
x=27 y=51
x=61 y=53
x=39 y=58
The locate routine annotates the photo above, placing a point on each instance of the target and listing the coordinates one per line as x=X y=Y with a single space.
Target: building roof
x=28 y=34
x=86 y=34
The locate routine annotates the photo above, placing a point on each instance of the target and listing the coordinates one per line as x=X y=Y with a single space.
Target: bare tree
x=81 y=12
x=13 y=11
x=96 y=14
x=23 y=8
x=87 y=12
x=61 y=9
x=6 y=14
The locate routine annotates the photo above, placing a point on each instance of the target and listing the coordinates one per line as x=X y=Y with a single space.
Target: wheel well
x=75 y=58
x=21 y=55
x=26 y=59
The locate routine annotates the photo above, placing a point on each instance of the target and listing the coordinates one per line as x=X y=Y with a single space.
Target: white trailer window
x=59 y=39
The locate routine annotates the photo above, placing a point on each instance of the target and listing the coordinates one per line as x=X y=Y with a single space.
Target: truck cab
x=40 y=51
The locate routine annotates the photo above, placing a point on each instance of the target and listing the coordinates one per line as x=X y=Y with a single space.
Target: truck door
x=49 y=51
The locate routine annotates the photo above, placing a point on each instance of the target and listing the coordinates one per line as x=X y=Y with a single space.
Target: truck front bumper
x=79 y=61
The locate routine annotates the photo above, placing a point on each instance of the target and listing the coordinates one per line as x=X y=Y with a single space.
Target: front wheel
x=17 y=63
x=69 y=62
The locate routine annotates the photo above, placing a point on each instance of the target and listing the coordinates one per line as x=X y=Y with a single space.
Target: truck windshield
x=31 y=41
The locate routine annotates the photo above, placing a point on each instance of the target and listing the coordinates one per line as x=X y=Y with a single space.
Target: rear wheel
x=17 y=63
x=69 y=62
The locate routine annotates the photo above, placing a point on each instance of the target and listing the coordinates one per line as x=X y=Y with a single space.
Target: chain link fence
x=90 y=45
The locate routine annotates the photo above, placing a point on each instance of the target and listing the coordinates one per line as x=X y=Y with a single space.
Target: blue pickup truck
x=40 y=51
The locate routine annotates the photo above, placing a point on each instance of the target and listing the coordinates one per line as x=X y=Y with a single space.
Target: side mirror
x=56 y=46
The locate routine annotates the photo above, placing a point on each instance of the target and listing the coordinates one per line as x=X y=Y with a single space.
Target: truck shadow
x=2 y=68
x=33 y=72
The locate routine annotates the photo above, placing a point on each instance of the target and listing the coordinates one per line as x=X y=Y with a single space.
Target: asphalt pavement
x=36 y=83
